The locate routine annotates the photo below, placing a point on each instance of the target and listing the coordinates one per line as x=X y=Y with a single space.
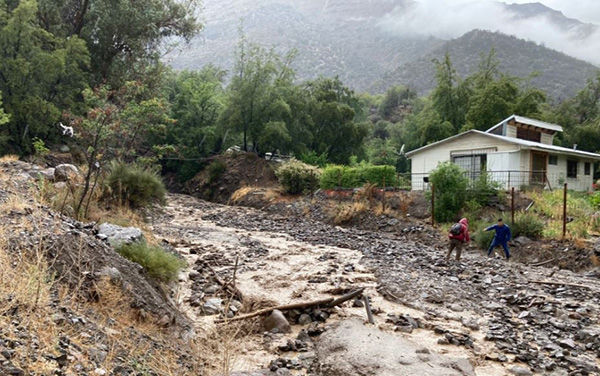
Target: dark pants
x=455 y=244
x=504 y=245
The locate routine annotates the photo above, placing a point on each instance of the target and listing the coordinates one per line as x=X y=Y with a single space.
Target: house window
x=553 y=160
x=587 y=168
x=572 y=169
x=529 y=134
x=473 y=164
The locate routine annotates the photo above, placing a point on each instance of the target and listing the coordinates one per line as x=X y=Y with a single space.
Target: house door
x=539 y=166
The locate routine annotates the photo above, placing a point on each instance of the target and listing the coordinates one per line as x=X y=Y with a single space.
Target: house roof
x=516 y=141
x=528 y=121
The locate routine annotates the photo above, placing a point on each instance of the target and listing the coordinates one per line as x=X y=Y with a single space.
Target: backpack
x=456 y=229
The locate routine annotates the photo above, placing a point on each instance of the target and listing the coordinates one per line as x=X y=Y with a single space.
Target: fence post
x=512 y=206
x=564 y=234
x=432 y=205
x=509 y=180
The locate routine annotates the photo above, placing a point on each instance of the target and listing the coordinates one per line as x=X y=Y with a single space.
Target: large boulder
x=117 y=235
x=276 y=320
x=67 y=173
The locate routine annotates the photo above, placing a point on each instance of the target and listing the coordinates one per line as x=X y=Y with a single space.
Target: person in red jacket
x=458 y=239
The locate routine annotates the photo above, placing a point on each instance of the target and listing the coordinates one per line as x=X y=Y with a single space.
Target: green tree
x=125 y=37
x=41 y=75
x=196 y=99
x=256 y=94
x=394 y=98
x=333 y=129
x=449 y=98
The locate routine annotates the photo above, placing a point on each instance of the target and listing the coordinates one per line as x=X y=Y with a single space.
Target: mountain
x=559 y=75
x=370 y=42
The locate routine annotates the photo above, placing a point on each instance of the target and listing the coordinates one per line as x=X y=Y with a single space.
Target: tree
x=41 y=75
x=120 y=124
x=196 y=99
x=449 y=98
x=124 y=37
x=394 y=98
x=256 y=94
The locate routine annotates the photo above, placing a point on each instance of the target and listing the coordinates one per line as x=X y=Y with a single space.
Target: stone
x=276 y=320
x=64 y=149
x=67 y=173
x=46 y=174
x=60 y=185
x=117 y=235
x=99 y=372
x=212 y=306
x=522 y=240
x=111 y=272
x=304 y=319
x=14 y=371
x=520 y=371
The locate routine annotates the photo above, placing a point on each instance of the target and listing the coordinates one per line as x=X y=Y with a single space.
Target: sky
x=449 y=19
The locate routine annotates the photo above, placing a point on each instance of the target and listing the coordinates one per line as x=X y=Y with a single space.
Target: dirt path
x=481 y=317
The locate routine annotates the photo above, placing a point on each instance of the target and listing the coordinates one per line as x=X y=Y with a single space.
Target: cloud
x=447 y=19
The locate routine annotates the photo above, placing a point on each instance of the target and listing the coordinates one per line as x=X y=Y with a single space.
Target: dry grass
x=595 y=260
x=382 y=208
x=240 y=194
x=348 y=212
x=367 y=192
x=9 y=158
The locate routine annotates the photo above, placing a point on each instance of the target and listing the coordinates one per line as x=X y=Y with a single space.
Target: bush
x=450 y=186
x=483 y=188
x=335 y=176
x=297 y=177
x=159 y=264
x=529 y=225
x=137 y=186
x=312 y=158
x=215 y=170
x=482 y=238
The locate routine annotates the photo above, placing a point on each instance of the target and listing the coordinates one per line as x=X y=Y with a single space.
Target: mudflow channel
x=478 y=317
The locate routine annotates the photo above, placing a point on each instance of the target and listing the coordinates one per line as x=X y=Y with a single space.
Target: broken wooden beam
x=286 y=307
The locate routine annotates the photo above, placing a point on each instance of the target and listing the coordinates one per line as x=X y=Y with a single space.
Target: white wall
x=502 y=165
x=511 y=131
x=557 y=174
x=428 y=159
x=547 y=138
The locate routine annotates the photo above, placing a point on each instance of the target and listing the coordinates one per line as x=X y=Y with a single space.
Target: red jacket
x=464 y=232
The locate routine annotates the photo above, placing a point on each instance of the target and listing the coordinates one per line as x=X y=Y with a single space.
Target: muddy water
x=282 y=269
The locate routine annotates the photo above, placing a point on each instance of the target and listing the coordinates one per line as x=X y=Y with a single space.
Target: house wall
x=427 y=160
x=511 y=131
x=502 y=167
x=547 y=139
x=557 y=174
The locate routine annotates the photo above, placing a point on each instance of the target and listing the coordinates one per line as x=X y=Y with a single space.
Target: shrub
x=483 y=188
x=159 y=264
x=215 y=170
x=529 y=225
x=312 y=158
x=450 y=186
x=135 y=185
x=297 y=177
x=335 y=176
x=482 y=238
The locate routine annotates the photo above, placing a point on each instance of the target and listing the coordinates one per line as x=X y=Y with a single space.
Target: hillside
x=559 y=75
x=363 y=41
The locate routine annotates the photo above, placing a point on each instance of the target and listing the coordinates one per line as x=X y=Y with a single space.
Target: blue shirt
x=502 y=233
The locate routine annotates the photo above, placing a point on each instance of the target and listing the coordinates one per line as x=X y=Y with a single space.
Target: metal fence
x=520 y=180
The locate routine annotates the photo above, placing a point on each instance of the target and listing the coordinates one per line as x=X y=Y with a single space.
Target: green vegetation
x=134 y=185
x=215 y=170
x=450 y=190
x=336 y=176
x=298 y=177
x=529 y=225
x=157 y=262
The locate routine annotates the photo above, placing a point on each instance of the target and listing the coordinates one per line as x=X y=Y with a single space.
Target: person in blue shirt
x=502 y=237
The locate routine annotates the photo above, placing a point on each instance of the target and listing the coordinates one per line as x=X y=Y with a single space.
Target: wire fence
x=505 y=180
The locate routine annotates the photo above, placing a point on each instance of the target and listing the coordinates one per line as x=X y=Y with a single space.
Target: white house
x=517 y=152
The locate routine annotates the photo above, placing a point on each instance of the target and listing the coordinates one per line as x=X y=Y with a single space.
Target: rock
x=117 y=235
x=99 y=372
x=520 y=371
x=60 y=185
x=66 y=173
x=212 y=306
x=111 y=272
x=14 y=371
x=304 y=319
x=522 y=240
x=276 y=320
x=567 y=343
x=64 y=149
x=47 y=174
